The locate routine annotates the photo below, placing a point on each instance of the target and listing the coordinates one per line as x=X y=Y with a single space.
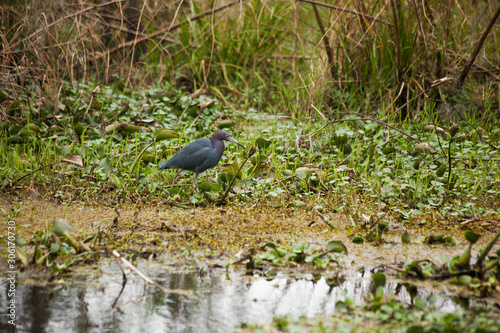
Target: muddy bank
x=224 y=232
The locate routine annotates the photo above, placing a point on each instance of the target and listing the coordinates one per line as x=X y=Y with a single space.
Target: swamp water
x=213 y=301
x=209 y=299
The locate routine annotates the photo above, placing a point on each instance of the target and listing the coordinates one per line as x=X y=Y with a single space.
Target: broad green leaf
x=405 y=238
x=204 y=186
x=54 y=248
x=216 y=187
x=336 y=246
x=378 y=279
x=79 y=128
x=382 y=227
x=358 y=240
x=60 y=227
x=262 y=143
x=452 y=264
x=105 y=164
x=227 y=123
x=165 y=134
x=148 y=158
x=270 y=244
x=420 y=303
x=471 y=237
x=441 y=170
x=464 y=280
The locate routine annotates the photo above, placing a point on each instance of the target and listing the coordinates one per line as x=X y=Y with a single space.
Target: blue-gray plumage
x=201 y=154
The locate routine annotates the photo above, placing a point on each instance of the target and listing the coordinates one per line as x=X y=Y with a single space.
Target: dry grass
x=304 y=51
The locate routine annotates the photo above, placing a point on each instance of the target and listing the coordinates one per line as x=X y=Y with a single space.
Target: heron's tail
x=164 y=166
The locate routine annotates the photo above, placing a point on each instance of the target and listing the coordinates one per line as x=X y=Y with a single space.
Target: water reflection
x=217 y=302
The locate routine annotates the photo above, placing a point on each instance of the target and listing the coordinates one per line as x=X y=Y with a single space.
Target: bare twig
x=146 y=278
x=325 y=219
x=32 y=172
x=479 y=66
x=362 y=117
x=419 y=20
x=124 y=283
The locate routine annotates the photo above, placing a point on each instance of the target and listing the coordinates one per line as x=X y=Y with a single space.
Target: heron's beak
x=233 y=140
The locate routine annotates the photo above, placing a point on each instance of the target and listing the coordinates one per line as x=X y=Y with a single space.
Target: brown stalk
x=460 y=58
x=420 y=23
x=326 y=41
x=362 y=20
x=478 y=47
x=399 y=65
x=350 y=11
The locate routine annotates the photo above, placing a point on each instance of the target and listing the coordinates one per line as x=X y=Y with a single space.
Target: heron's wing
x=192 y=156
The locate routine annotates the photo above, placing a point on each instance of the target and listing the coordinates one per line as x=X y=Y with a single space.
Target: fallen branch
x=146 y=278
x=325 y=219
x=69 y=158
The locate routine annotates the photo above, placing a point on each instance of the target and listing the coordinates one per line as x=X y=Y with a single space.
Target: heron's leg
x=195 y=182
x=195 y=185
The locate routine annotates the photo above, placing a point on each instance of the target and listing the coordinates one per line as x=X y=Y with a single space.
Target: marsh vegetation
x=371 y=127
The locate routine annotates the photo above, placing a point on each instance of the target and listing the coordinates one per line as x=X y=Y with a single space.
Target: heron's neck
x=218 y=144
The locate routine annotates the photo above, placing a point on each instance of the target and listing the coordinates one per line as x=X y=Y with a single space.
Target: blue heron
x=201 y=154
